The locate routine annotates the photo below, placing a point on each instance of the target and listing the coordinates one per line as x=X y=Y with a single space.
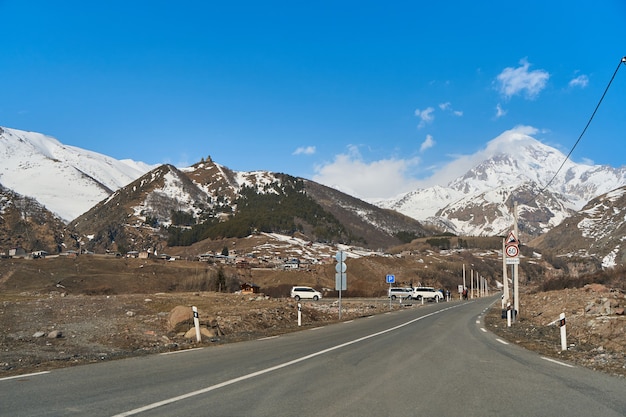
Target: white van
x=305 y=292
x=427 y=293
x=399 y=292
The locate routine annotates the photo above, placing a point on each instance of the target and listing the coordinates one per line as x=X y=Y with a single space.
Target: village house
x=248 y=288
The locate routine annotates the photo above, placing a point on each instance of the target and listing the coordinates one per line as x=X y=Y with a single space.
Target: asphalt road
x=431 y=360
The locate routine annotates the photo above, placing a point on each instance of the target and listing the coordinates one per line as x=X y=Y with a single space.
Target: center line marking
x=272 y=368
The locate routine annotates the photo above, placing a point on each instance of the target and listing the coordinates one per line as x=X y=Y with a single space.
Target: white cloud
x=514 y=81
x=389 y=178
x=304 y=150
x=373 y=180
x=500 y=111
x=426 y=116
x=447 y=106
x=427 y=144
x=580 y=81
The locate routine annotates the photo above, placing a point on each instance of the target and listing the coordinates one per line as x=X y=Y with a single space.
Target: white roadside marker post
x=299 y=314
x=563 y=332
x=508 y=314
x=196 y=322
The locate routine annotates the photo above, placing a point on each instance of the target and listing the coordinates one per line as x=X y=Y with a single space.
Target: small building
x=292 y=264
x=17 y=252
x=39 y=254
x=248 y=288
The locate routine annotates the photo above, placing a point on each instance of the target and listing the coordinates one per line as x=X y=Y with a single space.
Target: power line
x=622 y=61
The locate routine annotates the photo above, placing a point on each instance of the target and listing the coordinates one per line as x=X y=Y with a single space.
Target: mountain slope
x=65 y=179
x=597 y=231
x=516 y=168
x=168 y=206
x=26 y=224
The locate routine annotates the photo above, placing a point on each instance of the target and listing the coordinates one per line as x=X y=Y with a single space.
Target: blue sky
x=374 y=98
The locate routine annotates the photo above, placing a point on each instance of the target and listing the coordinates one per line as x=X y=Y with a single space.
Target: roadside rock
x=180 y=315
x=204 y=332
x=55 y=334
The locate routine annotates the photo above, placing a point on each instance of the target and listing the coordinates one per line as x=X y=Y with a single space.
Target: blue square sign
x=391 y=279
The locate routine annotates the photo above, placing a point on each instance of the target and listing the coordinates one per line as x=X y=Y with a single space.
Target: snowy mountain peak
x=515 y=168
x=39 y=166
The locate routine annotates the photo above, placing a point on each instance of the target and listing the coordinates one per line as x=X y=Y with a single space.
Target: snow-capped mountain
x=67 y=180
x=179 y=207
x=517 y=168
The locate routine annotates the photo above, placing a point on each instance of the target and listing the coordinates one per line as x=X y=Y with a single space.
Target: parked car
x=427 y=293
x=305 y=292
x=399 y=292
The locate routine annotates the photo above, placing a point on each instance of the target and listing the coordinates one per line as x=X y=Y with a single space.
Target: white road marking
x=349 y=321
x=268 y=338
x=180 y=351
x=271 y=369
x=557 y=362
x=24 y=376
x=483 y=330
x=502 y=341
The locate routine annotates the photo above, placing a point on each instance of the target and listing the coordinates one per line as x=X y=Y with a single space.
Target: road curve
x=431 y=360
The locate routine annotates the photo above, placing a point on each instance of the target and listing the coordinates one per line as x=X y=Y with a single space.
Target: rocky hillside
x=26 y=224
x=170 y=207
x=595 y=233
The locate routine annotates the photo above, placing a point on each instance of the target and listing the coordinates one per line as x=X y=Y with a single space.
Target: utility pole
x=515 y=266
x=505 y=279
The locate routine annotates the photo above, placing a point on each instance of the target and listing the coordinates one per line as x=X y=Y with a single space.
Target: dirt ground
x=42 y=332
x=58 y=330
x=595 y=326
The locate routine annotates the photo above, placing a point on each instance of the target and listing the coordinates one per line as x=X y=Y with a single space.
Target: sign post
x=512 y=258
x=341 y=280
x=390 y=279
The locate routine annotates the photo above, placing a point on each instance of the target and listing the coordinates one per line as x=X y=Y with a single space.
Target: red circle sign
x=512 y=251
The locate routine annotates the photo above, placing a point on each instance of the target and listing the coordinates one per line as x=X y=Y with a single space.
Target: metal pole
x=463 y=282
x=515 y=267
x=505 y=278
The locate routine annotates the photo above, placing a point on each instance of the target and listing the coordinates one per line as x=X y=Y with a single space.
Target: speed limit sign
x=512 y=251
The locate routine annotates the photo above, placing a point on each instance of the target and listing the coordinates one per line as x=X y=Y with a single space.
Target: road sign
x=390 y=279
x=341 y=281
x=341 y=267
x=512 y=239
x=341 y=256
x=512 y=251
